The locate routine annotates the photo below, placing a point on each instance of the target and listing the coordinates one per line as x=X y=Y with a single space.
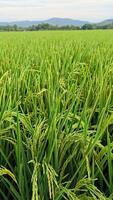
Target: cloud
x=20 y=3
x=42 y=9
x=53 y=3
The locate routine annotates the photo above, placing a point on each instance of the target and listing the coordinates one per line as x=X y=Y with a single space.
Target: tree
x=15 y=27
x=87 y=27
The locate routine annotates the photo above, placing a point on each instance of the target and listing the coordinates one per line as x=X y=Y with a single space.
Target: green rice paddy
x=56 y=115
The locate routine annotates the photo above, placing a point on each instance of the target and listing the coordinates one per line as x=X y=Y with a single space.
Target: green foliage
x=56 y=115
x=38 y=27
x=87 y=27
x=44 y=26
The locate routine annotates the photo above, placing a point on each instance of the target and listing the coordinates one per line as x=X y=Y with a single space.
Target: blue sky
x=92 y=10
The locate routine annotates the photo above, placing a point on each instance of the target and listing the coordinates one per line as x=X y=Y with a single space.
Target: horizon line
x=30 y=20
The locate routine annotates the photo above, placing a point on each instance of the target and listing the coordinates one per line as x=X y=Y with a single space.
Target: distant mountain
x=52 y=21
x=21 y=23
x=65 y=21
x=105 y=22
x=56 y=21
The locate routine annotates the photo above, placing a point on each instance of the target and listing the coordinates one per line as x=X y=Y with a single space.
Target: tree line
x=51 y=27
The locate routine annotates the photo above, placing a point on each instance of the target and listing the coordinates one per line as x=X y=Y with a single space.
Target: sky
x=91 y=10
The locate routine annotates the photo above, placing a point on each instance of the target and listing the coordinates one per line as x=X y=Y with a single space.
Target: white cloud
x=42 y=9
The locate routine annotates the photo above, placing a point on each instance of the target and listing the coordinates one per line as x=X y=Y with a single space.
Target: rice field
x=56 y=115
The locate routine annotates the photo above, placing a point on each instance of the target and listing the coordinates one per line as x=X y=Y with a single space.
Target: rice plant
x=56 y=115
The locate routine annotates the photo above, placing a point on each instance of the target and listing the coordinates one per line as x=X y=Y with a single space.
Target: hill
x=52 y=21
x=60 y=22
x=65 y=21
x=105 y=22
